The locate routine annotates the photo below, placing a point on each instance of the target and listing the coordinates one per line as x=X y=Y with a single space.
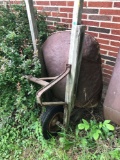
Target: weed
x=19 y=116
x=95 y=129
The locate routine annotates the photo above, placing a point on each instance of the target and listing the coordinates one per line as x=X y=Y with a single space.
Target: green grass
x=70 y=145
x=54 y=150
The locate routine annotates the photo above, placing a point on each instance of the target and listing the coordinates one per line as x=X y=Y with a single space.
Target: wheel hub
x=53 y=127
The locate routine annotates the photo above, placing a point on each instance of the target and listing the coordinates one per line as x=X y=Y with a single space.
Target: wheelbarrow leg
x=75 y=56
x=72 y=78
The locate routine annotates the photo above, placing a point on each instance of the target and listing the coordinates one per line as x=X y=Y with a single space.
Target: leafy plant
x=115 y=154
x=64 y=141
x=19 y=113
x=96 y=130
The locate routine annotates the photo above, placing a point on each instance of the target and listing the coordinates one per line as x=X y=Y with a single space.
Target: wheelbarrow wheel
x=49 y=118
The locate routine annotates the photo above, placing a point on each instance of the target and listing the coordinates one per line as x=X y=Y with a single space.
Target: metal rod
x=51 y=84
x=53 y=103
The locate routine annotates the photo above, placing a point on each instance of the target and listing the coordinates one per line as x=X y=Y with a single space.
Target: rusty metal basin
x=56 y=51
x=112 y=99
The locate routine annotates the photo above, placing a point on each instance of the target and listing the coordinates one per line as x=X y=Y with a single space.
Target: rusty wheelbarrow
x=62 y=57
x=55 y=52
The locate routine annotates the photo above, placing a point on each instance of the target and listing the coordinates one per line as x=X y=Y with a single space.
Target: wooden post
x=5 y=3
x=33 y=26
x=77 y=12
x=75 y=56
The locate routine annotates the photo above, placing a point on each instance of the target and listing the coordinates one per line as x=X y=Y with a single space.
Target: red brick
x=108 y=36
x=42 y=2
x=103 y=51
x=107 y=71
x=45 y=13
x=85 y=4
x=15 y=2
x=67 y=20
x=48 y=13
x=103 y=41
x=100 y=4
x=58 y=3
x=117 y=32
x=113 y=54
x=116 y=19
x=92 y=34
x=117 y=44
x=110 y=25
x=56 y=14
x=39 y=8
x=66 y=10
x=117 y=4
x=90 y=23
x=109 y=12
x=108 y=67
x=70 y=3
x=70 y=15
x=109 y=48
x=84 y=16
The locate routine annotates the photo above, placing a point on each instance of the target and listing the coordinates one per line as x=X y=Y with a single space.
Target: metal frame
x=47 y=85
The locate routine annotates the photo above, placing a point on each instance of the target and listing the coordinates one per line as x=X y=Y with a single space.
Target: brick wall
x=102 y=19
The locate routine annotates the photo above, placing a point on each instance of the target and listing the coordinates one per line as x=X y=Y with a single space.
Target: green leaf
x=106 y=122
x=84 y=142
x=81 y=126
x=86 y=124
x=77 y=131
x=62 y=140
x=110 y=127
x=96 y=136
x=100 y=125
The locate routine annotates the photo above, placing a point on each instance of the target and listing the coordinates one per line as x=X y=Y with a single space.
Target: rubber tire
x=46 y=117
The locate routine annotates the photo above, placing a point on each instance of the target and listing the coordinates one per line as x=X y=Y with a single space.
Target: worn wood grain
x=75 y=56
x=33 y=26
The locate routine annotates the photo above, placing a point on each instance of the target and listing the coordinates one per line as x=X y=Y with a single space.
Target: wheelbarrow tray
x=56 y=51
